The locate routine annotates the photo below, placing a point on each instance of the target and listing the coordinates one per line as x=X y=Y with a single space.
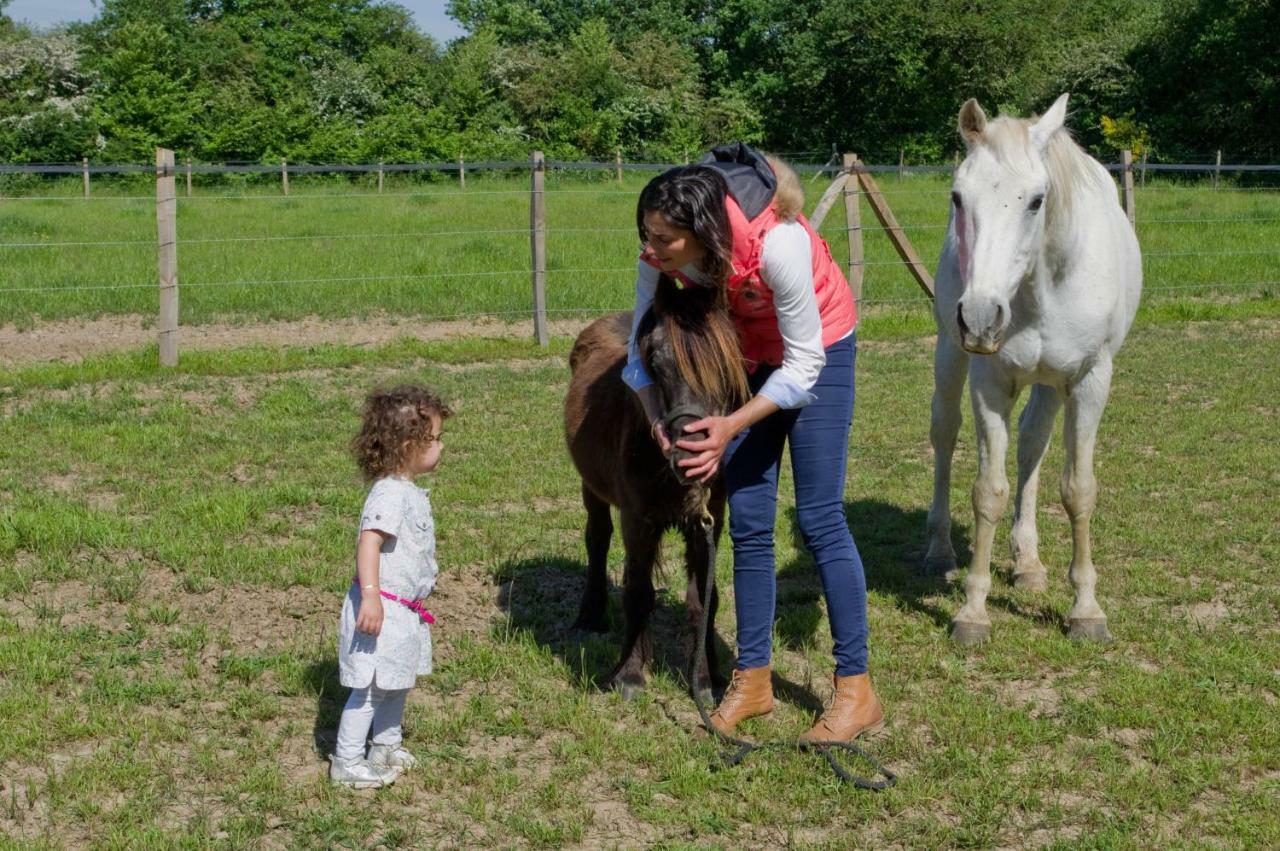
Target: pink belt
x=414 y=606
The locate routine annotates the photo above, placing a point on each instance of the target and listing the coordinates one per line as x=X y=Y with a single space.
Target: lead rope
x=744 y=748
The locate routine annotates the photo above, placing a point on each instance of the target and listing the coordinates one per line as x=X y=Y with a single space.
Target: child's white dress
x=407 y=568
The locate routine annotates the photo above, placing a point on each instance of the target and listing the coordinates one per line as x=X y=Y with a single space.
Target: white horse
x=1039 y=277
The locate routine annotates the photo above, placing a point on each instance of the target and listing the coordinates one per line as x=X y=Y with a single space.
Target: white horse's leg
x=1085 y=402
x=1035 y=428
x=993 y=397
x=950 y=363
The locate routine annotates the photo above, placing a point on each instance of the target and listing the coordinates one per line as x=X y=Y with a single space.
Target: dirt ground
x=73 y=340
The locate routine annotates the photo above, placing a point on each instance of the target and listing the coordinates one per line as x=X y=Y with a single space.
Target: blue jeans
x=819 y=437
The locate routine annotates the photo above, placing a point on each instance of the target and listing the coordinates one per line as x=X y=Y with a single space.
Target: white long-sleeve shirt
x=786 y=267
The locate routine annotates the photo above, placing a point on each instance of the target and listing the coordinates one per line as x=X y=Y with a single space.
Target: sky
x=429 y=14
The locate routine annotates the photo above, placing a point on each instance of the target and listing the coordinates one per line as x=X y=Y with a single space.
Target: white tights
x=369 y=709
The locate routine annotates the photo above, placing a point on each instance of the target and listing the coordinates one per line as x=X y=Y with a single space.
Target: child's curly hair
x=396 y=422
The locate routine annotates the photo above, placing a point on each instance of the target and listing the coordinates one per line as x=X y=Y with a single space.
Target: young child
x=384 y=637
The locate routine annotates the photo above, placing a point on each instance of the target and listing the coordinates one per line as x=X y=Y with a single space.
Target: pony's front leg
x=593 y=611
x=992 y=400
x=641 y=538
x=1035 y=428
x=1085 y=403
x=950 y=363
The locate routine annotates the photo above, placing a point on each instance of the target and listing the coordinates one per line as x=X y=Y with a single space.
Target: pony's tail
x=788 y=200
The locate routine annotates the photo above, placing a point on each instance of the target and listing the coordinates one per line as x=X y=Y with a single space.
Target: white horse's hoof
x=1088 y=629
x=944 y=566
x=969 y=634
x=1031 y=580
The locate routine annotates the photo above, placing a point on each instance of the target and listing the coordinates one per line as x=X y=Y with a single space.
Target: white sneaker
x=391 y=756
x=358 y=773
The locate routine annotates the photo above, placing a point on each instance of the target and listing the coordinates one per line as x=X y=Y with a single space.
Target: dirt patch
x=1207 y=615
x=75 y=486
x=73 y=340
x=1039 y=696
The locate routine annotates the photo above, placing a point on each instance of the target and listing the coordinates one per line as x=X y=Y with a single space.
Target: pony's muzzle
x=675 y=431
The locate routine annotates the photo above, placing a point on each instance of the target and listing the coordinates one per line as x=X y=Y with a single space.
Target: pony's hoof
x=943 y=566
x=1031 y=580
x=1088 y=629
x=969 y=634
x=629 y=690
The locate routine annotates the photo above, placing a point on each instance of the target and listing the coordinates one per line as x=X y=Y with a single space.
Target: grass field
x=430 y=250
x=174 y=546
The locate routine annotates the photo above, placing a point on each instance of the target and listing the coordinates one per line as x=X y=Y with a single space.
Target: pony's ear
x=1051 y=122
x=972 y=122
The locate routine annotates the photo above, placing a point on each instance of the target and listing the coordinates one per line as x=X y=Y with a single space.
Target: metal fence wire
x=1260 y=206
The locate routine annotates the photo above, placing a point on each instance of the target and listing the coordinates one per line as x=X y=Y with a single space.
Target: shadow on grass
x=331 y=696
x=891 y=542
x=541 y=598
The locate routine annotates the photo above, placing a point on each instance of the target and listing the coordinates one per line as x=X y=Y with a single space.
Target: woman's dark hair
x=396 y=422
x=692 y=198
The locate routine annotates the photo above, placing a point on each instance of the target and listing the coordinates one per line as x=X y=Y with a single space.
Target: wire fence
x=451 y=251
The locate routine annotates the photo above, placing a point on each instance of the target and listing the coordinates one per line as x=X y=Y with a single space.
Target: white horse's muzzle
x=981 y=323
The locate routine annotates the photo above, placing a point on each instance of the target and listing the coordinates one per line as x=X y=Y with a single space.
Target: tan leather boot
x=750 y=693
x=854 y=710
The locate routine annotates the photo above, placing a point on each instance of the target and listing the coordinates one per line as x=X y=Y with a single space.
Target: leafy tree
x=333 y=80
x=1209 y=77
x=46 y=111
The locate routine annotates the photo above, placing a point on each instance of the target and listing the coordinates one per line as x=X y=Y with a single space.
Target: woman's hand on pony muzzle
x=707 y=451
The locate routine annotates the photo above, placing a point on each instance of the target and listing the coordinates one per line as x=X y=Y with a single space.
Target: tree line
x=356 y=81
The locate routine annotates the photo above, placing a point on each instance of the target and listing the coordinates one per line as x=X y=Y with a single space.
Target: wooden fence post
x=188 y=177
x=853 y=226
x=1144 y=168
x=894 y=230
x=1217 y=170
x=1126 y=159
x=462 y=173
x=284 y=175
x=84 y=170
x=617 y=165
x=828 y=200
x=902 y=162
x=538 y=243
x=379 y=177
x=167 y=255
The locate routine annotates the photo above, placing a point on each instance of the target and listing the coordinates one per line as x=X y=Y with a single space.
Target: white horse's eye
x=1036 y=203
x=955 y=199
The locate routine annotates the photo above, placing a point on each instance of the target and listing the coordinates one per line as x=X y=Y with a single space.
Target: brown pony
x=690 y=348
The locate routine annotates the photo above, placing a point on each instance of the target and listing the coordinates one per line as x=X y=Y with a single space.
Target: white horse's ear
x=1051 y=122
x=972 y=122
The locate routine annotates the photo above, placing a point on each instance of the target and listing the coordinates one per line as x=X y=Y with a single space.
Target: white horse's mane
x=1071 y=170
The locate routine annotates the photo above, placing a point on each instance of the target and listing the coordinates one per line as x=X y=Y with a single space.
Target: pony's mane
x=1071 y=170
x=703 y=339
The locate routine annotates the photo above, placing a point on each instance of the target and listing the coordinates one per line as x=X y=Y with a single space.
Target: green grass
x=174 y=545
x=431 y=250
